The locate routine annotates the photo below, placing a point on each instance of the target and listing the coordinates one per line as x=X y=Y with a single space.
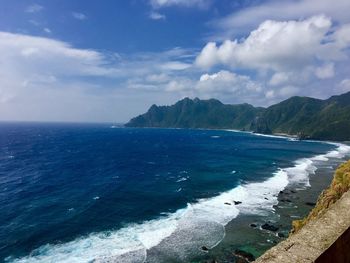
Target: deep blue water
x=60 y=182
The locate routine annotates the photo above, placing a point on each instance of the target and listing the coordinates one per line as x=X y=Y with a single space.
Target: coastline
x=294 y=202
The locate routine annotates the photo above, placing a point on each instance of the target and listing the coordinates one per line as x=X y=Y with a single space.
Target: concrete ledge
x=314 y=242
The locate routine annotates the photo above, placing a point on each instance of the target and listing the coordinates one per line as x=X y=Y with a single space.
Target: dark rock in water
x=281 y=192
x=227 y=203
x=237 y=202
x=239 y=260
x=244 y=255
x=310 y=203
x=266 y=198
x=269 y=227
x=204 y=248
x=253 y=225
x=281 y=235
x=286 y=200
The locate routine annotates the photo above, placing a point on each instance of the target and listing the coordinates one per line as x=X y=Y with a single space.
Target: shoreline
x=294 y=202
x=273 y=135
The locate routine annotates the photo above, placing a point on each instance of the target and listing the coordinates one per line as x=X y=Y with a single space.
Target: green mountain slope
x=307 y=117
x=197 y=113
x=310 y=118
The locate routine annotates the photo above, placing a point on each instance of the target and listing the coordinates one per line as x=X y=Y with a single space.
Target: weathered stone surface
x=314 y=238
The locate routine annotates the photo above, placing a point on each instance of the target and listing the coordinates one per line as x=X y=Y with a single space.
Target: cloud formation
x=79 y=16
x=248 y=18
x=182 y=3
x=278 y=45
x=157 y=16
x=286 y=55
x=34 y=8
x=47 y=79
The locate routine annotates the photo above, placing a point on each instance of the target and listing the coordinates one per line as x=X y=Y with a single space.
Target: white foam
x=299 y=174
x=206 y=214
x=181 y=179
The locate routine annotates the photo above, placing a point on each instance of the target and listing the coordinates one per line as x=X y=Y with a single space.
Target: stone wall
x=325 y=239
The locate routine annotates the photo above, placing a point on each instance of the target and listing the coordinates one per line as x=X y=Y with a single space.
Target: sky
x=108 y=61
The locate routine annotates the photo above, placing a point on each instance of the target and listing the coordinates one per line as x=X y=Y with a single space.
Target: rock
x=204 y=248
x=266 y=198
x=280 y=234
x=310 y=203
x=293 y=191
x=269 y=227
x=227 y=203
x=237 y=202
x=281 y=192
x=253 y=225
x=286 y=200
x=244 y=255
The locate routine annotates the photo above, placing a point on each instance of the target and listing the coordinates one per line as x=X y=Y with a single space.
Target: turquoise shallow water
x=77 y=193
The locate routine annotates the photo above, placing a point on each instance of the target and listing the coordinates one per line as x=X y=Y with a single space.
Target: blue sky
x=88 y=60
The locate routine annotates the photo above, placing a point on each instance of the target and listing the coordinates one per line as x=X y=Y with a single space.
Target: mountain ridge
x=305 y=117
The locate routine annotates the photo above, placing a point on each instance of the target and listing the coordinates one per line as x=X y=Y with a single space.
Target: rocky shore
x=266 y=231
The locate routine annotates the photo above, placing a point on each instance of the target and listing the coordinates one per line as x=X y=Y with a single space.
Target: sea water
x=99 y=193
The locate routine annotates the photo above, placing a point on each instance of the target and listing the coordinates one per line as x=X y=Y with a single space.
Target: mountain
x=303 y=116
x=198 y=113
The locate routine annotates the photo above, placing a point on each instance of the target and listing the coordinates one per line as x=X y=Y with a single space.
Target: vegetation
x=198 y=113
x=339 y=185
x=306 y=117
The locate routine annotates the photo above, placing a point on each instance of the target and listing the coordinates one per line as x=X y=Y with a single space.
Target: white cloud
x=175 y=65
x=181 y=3
x=79 y=16
x=248 y=18
x=228 y=81
x=326 y=71
x=230 y=87
x=279 y=78
x=344 y=85
x=34 y=8
x=47 y=79
x=47 y=30
x=276 y=45
x=157 y=16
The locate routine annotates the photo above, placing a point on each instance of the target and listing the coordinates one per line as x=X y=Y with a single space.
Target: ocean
x=99 y=193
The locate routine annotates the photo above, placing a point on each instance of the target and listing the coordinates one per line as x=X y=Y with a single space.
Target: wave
x=188 y=229
x=182 y=179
